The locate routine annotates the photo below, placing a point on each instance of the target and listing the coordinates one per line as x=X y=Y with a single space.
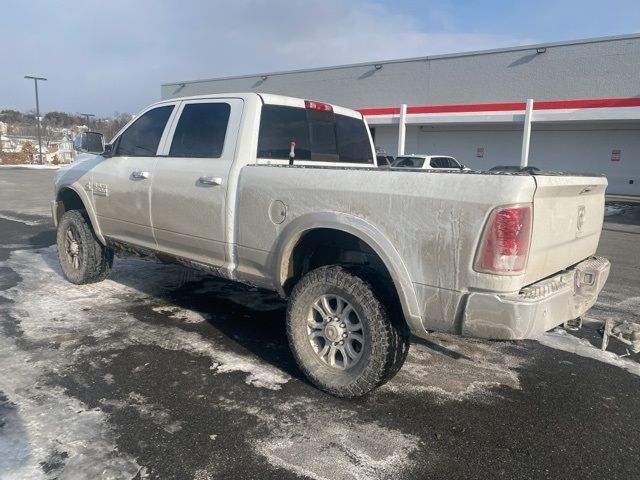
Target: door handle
x=140 y=174
x=210 y=180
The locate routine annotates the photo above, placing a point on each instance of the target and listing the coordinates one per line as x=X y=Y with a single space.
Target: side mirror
x=89 y=142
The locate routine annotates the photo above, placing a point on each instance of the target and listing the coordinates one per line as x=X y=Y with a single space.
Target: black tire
x=82 y=257
x=386 y=339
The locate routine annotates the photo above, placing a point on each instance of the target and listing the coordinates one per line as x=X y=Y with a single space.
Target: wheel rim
x=335 y=332
x=73 y=247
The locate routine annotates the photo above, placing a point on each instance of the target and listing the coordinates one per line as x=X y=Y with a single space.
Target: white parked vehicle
x=428 y=162
x=285 y=194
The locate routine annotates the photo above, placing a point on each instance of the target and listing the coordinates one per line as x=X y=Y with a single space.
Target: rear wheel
x=341 y=334
x=82 y=257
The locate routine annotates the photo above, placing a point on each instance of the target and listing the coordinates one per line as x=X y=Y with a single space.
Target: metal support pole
x=402 y=129
x=88 y=117
x=35 y=81
x=526 y=135
x=38 y=122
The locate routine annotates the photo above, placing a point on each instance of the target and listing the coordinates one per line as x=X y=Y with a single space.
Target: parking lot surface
x=161 y=372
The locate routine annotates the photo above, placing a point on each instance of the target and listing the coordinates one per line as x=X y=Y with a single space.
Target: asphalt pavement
x=161 y=372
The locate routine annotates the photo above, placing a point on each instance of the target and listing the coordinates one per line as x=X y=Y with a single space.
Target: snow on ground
x=45 y=430
x=611 y=210
x=326 y=441
x=24 y=219
x=147 y=410
x=32 y=167
x=561 y=340
x=463 y=369
x=51 y=322
x=55 y=325
x=79 y=311
x=185 y=316
x=620 y=304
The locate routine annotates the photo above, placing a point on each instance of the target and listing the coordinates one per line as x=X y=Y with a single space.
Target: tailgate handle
x=586 y=190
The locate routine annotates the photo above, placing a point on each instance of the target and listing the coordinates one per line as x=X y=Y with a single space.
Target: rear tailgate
x=568 y=212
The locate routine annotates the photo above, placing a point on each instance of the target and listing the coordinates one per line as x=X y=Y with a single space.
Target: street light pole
x=35 y=81
x=88 y=117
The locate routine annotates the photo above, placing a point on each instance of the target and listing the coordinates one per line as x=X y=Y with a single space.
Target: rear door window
x=319 y=135
x=201 y=130
x=408 y=162
x=444 y=162
x=142 y=138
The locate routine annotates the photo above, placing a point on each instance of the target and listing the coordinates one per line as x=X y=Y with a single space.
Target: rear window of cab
x=321 y=136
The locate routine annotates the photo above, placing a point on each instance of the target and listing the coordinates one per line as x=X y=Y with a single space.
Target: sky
x=112 y=56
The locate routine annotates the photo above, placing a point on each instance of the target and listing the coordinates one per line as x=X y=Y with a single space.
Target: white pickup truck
x=285 y=194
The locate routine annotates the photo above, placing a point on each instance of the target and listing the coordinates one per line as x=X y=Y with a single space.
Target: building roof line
x=563 y=43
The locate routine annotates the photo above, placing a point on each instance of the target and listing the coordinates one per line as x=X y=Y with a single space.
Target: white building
x=65 y=152
x=585 y=116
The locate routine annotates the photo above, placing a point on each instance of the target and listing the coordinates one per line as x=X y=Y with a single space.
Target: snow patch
x=73 y=312
x=303 y=434
x=44 y=424
x=32 y=167
x=202 y=475
x=46 y=432
x=29 y=222
x=147 y=410
x=182 y=314
x=561 y=340
x=457 y=369
x=611 y=210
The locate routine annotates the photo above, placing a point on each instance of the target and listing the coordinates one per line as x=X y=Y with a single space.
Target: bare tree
x=29 y=149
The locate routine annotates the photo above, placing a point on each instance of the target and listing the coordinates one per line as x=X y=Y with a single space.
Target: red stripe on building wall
x=481 y=107
x=502 y=107
x=590 y=103
x=380 y=111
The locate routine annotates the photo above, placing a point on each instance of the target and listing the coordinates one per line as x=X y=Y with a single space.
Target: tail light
x=505 y=242
x=313 y=105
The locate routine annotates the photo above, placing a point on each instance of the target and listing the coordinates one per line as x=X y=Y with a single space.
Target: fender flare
x=88 y=206
x=360 y=228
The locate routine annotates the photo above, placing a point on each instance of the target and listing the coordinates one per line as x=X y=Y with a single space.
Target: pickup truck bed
x=427 y=227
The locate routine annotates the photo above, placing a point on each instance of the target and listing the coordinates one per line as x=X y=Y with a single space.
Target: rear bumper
x=538 y=307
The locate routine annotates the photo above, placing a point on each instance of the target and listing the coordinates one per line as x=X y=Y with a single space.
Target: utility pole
x=88 y=117
x=35 y=81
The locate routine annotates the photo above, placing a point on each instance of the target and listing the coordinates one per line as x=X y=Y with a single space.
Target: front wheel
x=82 y=257
x=341 y=334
